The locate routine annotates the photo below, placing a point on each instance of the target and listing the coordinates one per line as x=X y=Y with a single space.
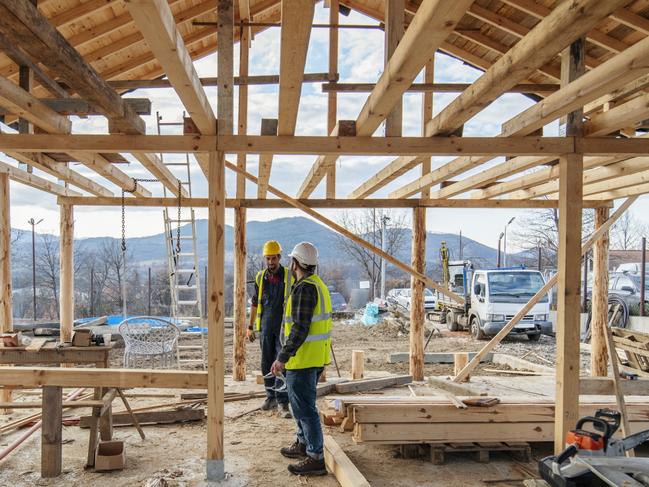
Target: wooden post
x=417 y=300
x=6 y=318
x=52 y=433
x=460 y=360
x=394 y=29
x=358 y=364
x=571 y=169
x=66 y=275
x=599 y=301
x=240 y=251
x=332 y=97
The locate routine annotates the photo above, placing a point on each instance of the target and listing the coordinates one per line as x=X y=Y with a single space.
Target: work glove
x=250 y=335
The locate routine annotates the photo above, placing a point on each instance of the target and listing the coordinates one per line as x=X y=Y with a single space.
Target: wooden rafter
x=35 y=181
x=622 y=116
x=297 y=18
x=433 y=22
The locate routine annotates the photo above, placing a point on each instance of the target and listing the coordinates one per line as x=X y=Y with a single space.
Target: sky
x=360 y=60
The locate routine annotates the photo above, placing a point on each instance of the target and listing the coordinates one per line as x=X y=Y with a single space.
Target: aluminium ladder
x=182 y=265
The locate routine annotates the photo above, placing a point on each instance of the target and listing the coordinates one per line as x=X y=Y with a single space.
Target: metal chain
x=180 y=186
x=135 y=181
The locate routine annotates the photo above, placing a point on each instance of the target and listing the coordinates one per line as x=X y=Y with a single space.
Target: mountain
x=151 y=250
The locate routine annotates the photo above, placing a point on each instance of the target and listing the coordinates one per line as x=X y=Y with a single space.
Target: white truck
x=492 y=299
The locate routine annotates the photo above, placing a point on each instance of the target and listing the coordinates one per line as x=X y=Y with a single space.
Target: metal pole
x=584 y=295
x=498 y=256
x=149 y=295
x=461 y=249
x=205 y=289
x=92 y=291
x=539 y=260
x=505 y=247
x=124 y=285
x=33 y=270
x=643 y=274
x=383 y=224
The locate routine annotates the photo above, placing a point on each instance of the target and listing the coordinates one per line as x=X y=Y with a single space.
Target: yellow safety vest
x=259 y=279
x=315 y=350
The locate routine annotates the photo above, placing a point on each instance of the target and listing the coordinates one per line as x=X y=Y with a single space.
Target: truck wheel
x=451 y=321
x=534 y=337
x=476 y=331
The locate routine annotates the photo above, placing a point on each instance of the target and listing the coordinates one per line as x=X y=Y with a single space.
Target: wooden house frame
x=583 y=61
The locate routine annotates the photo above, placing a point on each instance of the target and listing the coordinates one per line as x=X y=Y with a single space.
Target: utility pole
x=461 y=248
x=33 y=223
x=539 y=258
x=498 y=258
x=505 y=241
x=149 y=294
x=643 y=274
x=384 y=222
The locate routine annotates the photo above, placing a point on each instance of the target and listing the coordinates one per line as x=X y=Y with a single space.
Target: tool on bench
x=594 y=459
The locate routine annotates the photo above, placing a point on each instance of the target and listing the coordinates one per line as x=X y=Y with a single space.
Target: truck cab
x=497 y=295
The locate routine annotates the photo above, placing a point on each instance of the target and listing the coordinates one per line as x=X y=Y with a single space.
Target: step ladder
x=182 y=265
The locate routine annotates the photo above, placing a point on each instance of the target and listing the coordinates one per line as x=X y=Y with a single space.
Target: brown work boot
x=284 y=410
x=308 y=466
x=296 y=450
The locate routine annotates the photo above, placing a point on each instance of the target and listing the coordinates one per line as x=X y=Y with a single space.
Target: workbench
x=52 y=400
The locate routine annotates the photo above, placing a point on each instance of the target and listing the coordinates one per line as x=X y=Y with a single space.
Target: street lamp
x=505 y=241
x=33 y=223
x=500 y=237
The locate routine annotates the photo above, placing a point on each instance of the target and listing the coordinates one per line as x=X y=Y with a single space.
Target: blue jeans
x=302 y=386
x=270 y=347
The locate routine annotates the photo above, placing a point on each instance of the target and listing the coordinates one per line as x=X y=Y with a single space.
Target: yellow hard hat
x=272 y=247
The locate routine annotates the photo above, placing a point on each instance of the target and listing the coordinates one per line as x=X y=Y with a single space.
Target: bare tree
x=367 y=225
x=48 y=267
x=627 y=232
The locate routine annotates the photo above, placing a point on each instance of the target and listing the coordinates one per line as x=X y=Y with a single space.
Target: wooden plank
x=6 y=313
x=599 y=321
x=624 y=115
x=123 y=378
x=241 y=80
x=341 y=466
x=567 y=22
x=358 y=364
x=81 y=108
x=36 y=344
x=619 y=396
x=35 y=181
x=372 y=384
x=394 y=30
x=417 y=311
x=66 y=274
x=542 y=292
x=39 y=404
x=52 y=432
x=151 y=417
x=430 y=87
x=297 y=18
x=571 y=175
x=323 y=203
x=343 y=231
x=431 y=25
x=332 y=97
x=25 y=26
x=432 y=357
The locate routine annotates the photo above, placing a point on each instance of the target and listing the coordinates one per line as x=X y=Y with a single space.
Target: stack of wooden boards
x=635 y=348
x=432 y=419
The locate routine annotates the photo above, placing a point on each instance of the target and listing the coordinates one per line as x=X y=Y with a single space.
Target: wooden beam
x=61 y=171
x=571 y=173
x=633 y=20
x=322 y=203
x=332 y=97
x=52 y=432
x=103 y=167
x=36 y=182
x=621 y=182
x=297 y=18
x=346 y=233
x=620 y=193
x=247 y=80
x=484 y=351
x=396 y=168
x=624 y=115
x=394 y=30
x=417 y=311
x=66 y=274
x=433 y=22
x=599 y=321
x=161 y=172
x=81 y=108
x=341 y=466
x=6 y=314
x=527 y=88
x=24 y=25
x=567 y=22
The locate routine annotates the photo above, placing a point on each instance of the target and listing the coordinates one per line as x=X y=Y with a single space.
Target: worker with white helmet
x=272 y=288
x=307 y=343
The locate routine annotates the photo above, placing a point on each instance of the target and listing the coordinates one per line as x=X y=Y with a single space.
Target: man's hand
x=277 y=368
x=250 y=335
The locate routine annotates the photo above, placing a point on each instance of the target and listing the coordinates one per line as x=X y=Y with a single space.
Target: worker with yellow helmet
x=272 y=288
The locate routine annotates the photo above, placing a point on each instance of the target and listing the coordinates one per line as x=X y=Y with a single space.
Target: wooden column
x=599 y=302
x=215 y=467
x=52 y=434
x=6 y=314
x=358 y=364
x=240 y=251
x=394 y=29
x=417 y=300
x=571 y=170
x=66 y=275
x=332 y=97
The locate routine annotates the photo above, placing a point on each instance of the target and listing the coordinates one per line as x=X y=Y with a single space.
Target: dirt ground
x=253 y=438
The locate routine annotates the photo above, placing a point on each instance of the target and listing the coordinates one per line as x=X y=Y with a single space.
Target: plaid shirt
x=304 y=297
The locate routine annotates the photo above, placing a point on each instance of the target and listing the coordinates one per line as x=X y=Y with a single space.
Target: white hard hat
x=305 y=253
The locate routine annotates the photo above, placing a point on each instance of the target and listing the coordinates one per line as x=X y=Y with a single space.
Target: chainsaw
x=594 y=459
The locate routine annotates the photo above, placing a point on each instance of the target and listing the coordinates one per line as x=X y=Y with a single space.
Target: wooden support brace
x=358 y=363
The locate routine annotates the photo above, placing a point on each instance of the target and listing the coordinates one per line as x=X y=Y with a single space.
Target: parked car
x=402 y=297
x=338 y=302
x=632 y=268
x=627 y=286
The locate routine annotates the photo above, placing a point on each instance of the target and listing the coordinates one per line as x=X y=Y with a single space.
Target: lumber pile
x=434 y=419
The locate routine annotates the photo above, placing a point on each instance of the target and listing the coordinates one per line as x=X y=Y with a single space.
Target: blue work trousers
x=302 y=387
